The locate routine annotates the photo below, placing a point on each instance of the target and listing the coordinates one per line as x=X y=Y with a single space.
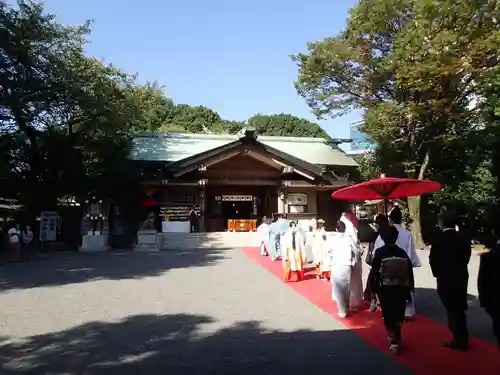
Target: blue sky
x=229 y=55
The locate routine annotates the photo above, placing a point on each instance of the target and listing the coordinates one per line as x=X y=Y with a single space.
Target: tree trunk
x=414 y=208
x=34 y=199
x=415 y=226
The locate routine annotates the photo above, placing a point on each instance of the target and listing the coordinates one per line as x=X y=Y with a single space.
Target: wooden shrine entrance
x=238 y=208
x=234 y=185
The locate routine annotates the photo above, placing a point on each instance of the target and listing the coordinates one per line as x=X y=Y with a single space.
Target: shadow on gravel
x=186 y=344
x=71 y=268
x=427 y=303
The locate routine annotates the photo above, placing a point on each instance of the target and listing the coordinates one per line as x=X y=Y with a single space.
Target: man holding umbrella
x=386 y=188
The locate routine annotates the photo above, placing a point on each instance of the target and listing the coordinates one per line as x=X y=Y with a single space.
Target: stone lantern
x=95 y=217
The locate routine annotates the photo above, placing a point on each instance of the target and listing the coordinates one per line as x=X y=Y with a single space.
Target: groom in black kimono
x=449 y=257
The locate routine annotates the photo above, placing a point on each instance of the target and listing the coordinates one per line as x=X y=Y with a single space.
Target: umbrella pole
x=386 y=203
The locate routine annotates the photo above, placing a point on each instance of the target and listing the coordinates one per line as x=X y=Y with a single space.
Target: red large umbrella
x=386 y=188
x=148 y=202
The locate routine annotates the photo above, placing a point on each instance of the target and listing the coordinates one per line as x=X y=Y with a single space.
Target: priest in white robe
x=405 y=242
x=277 y=230
x=264 y=230
x=320 y=252
x=294 y=253
x=341 y=250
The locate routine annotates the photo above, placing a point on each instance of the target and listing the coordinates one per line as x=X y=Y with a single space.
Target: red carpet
x=423 y=352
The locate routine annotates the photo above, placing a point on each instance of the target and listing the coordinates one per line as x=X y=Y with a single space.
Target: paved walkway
x=192 y=312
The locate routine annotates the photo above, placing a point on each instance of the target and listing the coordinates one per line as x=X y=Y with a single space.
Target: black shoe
x=394 y=349
x=456 y=346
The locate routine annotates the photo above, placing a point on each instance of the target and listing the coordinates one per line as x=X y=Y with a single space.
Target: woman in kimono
x=391 y=277
x=294 y=253
x=320 y=252
x=342 y=250
x=264 y=230
x=351 y=231
x=405 y=242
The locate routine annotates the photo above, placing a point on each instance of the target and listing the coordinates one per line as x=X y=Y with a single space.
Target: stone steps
x=216 y=240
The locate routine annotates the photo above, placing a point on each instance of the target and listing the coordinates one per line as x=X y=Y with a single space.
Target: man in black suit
x=449 y=256
x=488 y=284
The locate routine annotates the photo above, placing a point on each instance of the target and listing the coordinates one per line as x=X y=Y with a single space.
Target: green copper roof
x=171 y=147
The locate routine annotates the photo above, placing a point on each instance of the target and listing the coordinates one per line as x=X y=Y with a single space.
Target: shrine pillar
x=281 y=201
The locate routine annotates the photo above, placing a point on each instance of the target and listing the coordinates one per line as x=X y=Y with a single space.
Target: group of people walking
x=337 y=258
x=391 y=256
x=19 y=242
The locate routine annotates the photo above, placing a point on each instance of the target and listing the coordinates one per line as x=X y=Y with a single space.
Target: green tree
x=62 y=111
x=489 y=105
x=285 y=125
x=152 y=108
x=199 y=119
x=194 y=119
x=368 y=166
x=412 y=66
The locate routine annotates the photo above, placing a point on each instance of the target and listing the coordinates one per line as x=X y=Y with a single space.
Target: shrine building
x=234 y=180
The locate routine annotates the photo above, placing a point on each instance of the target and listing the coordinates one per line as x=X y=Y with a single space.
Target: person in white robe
x=404 y=241
x=264 y=230
x=341 y=250
x=294 y=253
x=320 y=252
x=310 y=238
x=351 y=231
x=277 y=230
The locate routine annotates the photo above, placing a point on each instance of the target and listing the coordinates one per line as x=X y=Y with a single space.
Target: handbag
x=369 y=257
x=369 y=253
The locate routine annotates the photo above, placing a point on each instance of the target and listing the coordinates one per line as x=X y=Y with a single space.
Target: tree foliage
x=199 y=119
x=368 y=165
x=413 y=67
x=286 y=125
x=61 y=112
x=66 y=118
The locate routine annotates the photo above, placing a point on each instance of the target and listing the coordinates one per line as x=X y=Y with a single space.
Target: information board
x=48 y=226
x=177 y=212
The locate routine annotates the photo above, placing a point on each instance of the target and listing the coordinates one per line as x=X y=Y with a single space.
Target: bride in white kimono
x=405 y=242
x=294 y=253
x=341 y=250
x=356 y=295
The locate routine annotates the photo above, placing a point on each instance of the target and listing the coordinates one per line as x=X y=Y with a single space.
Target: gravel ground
x=191 y=312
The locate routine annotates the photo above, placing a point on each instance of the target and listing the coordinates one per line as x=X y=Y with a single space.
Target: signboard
x=297 y=199
x=234 y=198
x=177 y=213
x=295 y=209
x=48 y=226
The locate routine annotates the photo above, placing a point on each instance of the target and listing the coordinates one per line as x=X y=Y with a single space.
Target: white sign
x=236 y=198
x=175 y=227
x=297 y=199
x=48 y=226
x=294 y=209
